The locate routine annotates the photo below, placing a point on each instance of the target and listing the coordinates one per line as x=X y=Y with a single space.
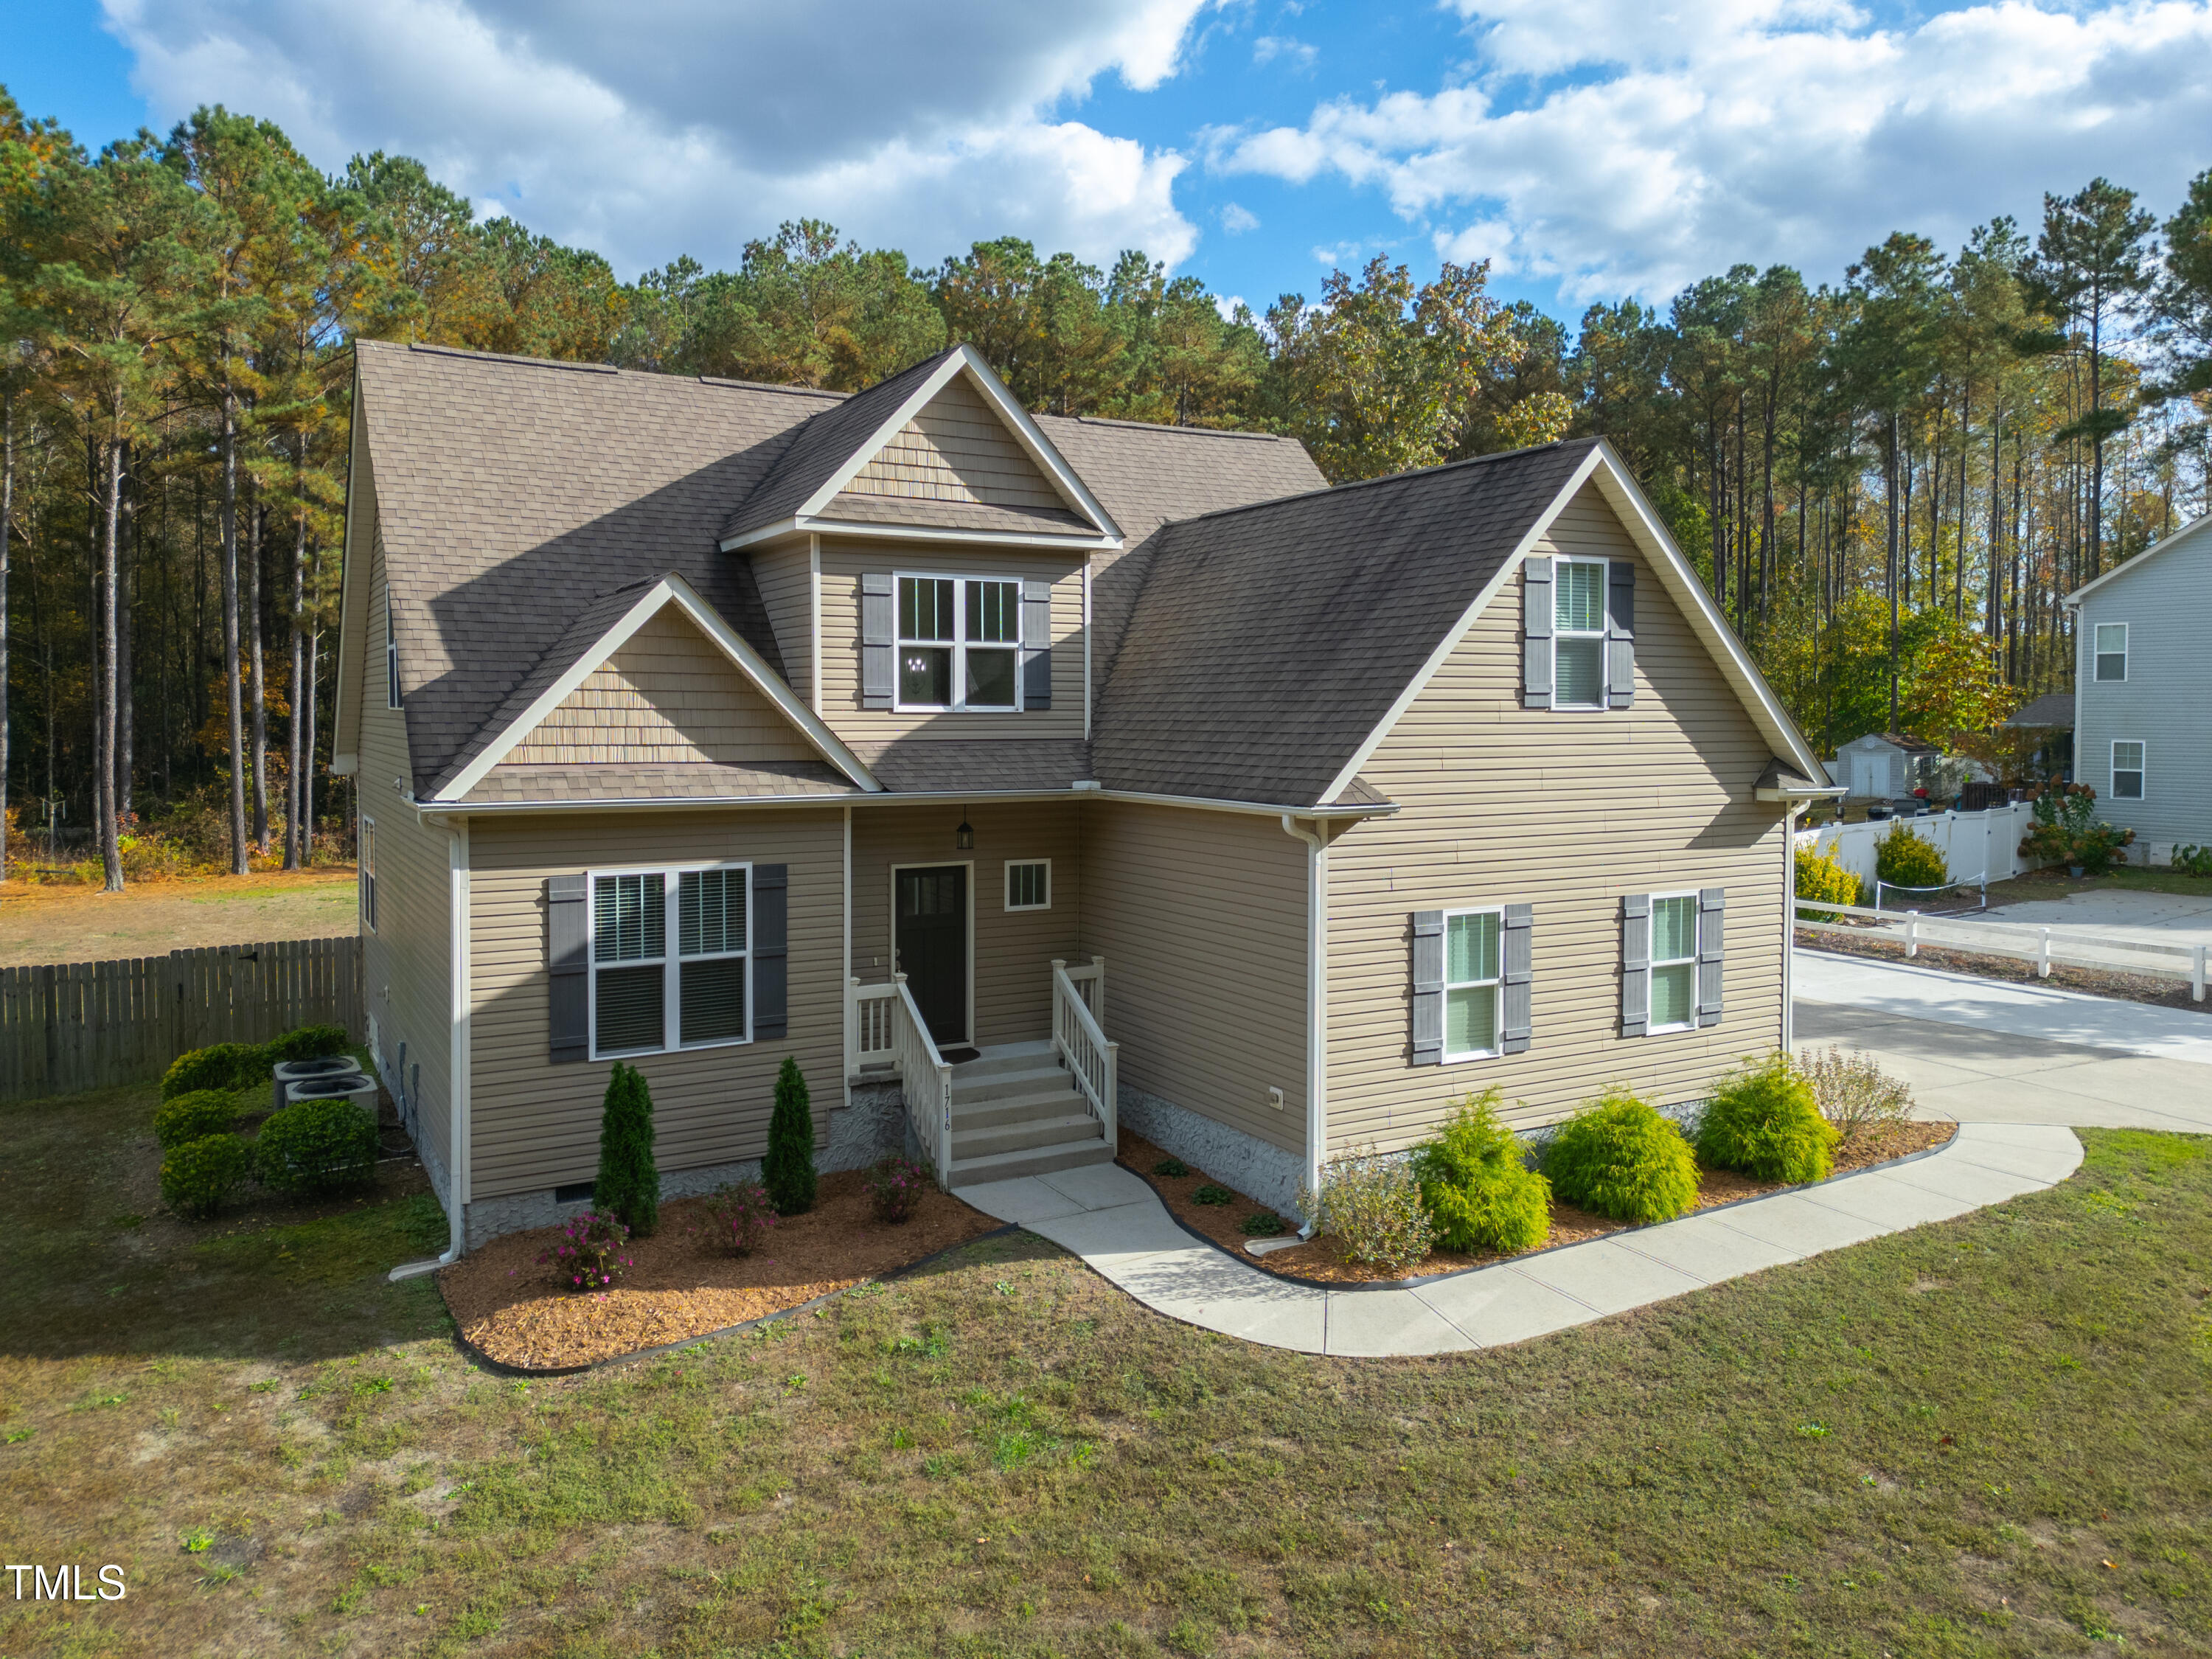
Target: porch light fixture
x=963 y=838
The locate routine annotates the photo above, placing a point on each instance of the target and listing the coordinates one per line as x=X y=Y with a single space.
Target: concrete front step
x=1003 y=1057
x=1034 y=1161
x=1023 y=1134
x=1009 y=1085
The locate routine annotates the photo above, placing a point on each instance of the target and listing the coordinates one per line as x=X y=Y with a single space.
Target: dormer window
x=959 y=643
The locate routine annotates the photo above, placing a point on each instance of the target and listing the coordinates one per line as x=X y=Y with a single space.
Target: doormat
x=959 y=1056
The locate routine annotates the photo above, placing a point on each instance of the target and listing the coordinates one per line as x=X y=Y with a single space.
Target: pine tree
x=788 y=1171
x=628 y=1185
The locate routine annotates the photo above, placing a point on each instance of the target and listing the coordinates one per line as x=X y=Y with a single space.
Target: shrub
x=316 y=1146
x=2193 y=861
x=587 y=1256
x=1479 y=1194
x=1620 y=1159
x=1819 y=877
x=896 y=1186
x=1371 y=1206
x=1261 y=1223
x=1764 y=1120
x=629 y=1184
x=307 y=1043
x=1905 y=858
x=1211 y=1193
x=1852 y=1092
x=2068 y=831
x=1171 y=1168
x=742 y=1216
x=788 y=1169
x=198 y=1175
x=195 y=1116
x=223 y=1066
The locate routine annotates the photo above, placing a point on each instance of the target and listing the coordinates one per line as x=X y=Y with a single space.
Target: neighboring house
x=2048 y=721
x=685 y=712
x=2142 y=724
x=1883 y=766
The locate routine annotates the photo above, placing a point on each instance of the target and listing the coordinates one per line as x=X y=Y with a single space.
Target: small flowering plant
x=588 y=1254
x=896 y=1185
x=742 y=1216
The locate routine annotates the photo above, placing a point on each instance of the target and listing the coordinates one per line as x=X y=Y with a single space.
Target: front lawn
x=1989 y=1437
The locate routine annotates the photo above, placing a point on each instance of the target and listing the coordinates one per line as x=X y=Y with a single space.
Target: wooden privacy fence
x=72 y=1026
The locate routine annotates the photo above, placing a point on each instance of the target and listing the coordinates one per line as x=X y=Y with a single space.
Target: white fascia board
x=850 y=530
x=345 y=724
x=1681 y=579
x=669 y=589
x=1457 y=631
x=1259 y=809
x=2126 y=567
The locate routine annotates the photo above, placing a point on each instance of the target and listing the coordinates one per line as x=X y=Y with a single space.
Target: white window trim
x=2126 y=640
x=1602 y=633
x=958 y=645
x=391 y=654
x=671 y=982
x=1651 y=1028
x=1496 y=985
x=365 y=866
x=2141 y=771
x=1006 y=883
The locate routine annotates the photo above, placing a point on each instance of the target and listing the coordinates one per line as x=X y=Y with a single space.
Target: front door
x=930 y=947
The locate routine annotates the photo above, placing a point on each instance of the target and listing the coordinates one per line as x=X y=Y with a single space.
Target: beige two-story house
x=1023 y=778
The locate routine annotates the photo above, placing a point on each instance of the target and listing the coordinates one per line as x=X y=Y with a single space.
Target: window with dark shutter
x=879 y=643
x=1536 y=627
x=1635 y=964
x=771 y=950
x=1620 y=636
x=1712 y=917
x=1428 y=1037
x=568 y=961
x=1036 y=644
x=1516 y=1022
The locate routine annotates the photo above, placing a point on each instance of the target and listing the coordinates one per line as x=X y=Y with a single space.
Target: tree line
x=1889 y=482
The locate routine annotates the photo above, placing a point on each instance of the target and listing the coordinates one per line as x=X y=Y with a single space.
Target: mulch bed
x=682 y=1284
x=1317 y=1258
x=2093 y=981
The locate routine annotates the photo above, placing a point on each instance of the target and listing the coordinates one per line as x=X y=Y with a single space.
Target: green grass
x=1930 y=1444
x=2054 y=883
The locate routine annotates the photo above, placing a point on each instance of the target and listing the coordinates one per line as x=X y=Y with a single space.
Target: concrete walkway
x=1117 y=1224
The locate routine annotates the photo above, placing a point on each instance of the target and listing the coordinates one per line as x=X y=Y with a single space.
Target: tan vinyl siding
x=1201 y=917
x=1566 y=811
x=787 y=590
x=407 y=963
x=843 y=563
x=536 y=1124
x=957 y=449
x=1013 y=949
x=667 y=697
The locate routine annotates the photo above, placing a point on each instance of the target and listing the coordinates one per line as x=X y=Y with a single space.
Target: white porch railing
x=888 y=1030
x=1079 y=1038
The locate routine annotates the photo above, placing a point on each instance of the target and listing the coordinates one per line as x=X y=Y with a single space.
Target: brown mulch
x=681 y=1285
x=2092 y=981
x=1317 y=1258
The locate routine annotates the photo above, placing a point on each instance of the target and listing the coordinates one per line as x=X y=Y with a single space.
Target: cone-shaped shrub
x=1620 y=1159
x=1480 y=1195
x=788 y=1171
x=628 y=1186
x=1766 y=1120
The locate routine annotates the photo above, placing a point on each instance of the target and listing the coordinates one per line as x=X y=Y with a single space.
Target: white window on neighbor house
x=2112 y=651
x=1471 y=982
x=670 y=967
x=959 y=643
x=391 y=656
x=1674 y=961
x=368 y=867
x=1029 y=884
x=2127 y=769
x=1578 y=633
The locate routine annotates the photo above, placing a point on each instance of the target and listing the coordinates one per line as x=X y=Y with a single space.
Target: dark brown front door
x=930 y=947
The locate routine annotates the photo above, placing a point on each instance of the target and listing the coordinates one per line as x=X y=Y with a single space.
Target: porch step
x=1034 y=1161
x=1000 y=1059
x=1038 y=1077
x=1023 y=1134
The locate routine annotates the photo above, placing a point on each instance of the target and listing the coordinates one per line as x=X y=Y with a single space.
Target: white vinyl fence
x=1975 y=845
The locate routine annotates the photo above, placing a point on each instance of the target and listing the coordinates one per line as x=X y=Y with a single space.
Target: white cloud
x=1237 y=219
x=1268 y=47
x=666 y=126
x=1620 y=147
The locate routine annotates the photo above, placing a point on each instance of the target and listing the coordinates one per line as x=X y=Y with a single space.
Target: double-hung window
x=959 y=642
x=1578 y=633
x=1674 y=961
x=2127 y=769
x=1471 y=980
x=391 y=656
x=2112 y=651
x=368 y=874
x=670 y=966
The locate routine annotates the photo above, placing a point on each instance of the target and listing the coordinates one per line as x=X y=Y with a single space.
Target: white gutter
x=902 y=798
x=1317 y=1004
x=1788 y=925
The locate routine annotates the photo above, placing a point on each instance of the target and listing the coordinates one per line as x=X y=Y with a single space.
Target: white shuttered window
x=670 y=967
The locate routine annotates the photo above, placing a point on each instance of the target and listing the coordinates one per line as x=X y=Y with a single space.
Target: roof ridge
x=571 y=365
x=1386 y=478
x=1168 y=426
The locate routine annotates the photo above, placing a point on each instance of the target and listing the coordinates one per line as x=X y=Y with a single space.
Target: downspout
x=1788 y=923
x=457 y=1078
x=814 y=624
x=845 y=977
x=1317 y=1004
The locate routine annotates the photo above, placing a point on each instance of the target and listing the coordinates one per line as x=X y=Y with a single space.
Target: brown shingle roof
x=697 y=781
x=853 y=507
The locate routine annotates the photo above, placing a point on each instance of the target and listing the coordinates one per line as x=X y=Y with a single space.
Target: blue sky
x=1593 y=148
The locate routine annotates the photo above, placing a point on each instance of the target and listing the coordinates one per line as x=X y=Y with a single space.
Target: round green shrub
x=195 y=1116
x=1819 y=877
x=1619 y=1157
x=316 y=1146
x=198 y=1175
x=1479 y=1192
x=222 y=1065
x=1766 y=1120
x=307 y=1043
x=1905 y=858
